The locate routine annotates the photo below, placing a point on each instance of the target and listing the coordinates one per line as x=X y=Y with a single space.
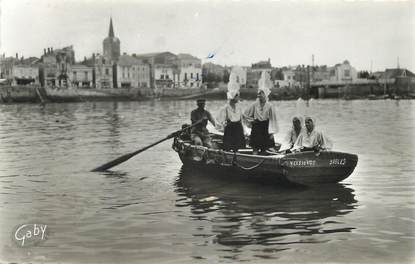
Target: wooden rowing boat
x=306 y=168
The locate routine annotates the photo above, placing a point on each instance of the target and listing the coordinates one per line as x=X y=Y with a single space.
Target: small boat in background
x=306 y=168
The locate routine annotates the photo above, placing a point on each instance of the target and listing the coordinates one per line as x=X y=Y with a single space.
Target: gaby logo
x=30 y=234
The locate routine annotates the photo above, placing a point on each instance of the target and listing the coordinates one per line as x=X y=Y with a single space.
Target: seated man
x=311 y=139
x=199 y=133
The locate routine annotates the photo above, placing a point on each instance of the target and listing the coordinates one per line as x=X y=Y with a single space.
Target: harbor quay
x=112 y=75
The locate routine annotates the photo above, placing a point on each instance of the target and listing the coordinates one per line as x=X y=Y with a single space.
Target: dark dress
x=260 y=138
x=233 y=137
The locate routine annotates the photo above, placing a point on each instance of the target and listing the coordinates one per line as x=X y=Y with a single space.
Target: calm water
x=150 y=210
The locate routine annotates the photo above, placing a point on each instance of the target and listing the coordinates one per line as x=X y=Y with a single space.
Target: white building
x=81 y=76
x=190 y=71
x=164 y=76
x=240 y=75
x=131 y=72
x=25 y=74
x=103 y=72
x=343 y=72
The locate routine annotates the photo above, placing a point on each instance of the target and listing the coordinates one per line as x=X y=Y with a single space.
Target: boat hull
x=305 y=168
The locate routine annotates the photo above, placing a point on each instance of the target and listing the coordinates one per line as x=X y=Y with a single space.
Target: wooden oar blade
x=125 y=157
x=113 y=163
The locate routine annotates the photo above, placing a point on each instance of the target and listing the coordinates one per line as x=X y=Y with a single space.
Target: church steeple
x=111 y=31
x=111 y=45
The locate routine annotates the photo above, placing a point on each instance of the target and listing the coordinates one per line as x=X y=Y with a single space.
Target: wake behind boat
x=306 y=168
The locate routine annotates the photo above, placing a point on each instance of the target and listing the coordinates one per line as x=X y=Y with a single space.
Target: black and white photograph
x=207 y=131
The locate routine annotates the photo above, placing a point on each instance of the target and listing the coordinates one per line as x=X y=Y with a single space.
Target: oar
x=128 y=156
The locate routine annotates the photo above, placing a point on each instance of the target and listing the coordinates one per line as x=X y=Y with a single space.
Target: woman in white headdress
x=261 y=116
x=229 y=118
x=311 y=139
x=293 y=133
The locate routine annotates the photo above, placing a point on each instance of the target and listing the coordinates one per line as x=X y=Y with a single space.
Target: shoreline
x=36 y=94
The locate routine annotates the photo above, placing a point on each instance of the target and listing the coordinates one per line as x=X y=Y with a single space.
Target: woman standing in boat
x=311 y=139
x=229 y=118
x=262 y=117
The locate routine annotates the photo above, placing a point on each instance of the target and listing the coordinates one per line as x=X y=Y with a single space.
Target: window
x=74 y=75
x=346 y=73
x=107 y=72
x=191 y=75
x=197 y=77
x=86 y=75
x=185 y=76
x=167 y=76
x=162 y=76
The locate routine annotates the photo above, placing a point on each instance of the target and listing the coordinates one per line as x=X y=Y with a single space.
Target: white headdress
x=265 y=83
x=233 y=86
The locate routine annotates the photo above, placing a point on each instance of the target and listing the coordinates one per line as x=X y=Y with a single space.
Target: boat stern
x=318 y=167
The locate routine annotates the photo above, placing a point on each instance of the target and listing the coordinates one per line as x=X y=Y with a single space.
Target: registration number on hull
x=337 y=162
x=302 y=163
x=312 y=163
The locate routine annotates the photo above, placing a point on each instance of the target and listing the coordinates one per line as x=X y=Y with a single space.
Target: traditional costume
x=293 y=134
x=229 y=119
x=313 y=140
x=262 y=118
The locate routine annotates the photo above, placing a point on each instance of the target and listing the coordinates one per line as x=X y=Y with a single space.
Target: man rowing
x=199 y=133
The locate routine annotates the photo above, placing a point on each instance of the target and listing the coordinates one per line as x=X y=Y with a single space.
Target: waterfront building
x=104 y=77
x=240 y=73
x=212 y=72
x=55 y=67
x=320 y=73
x=25 y=74
x=288 y=79
x=163 y=68
x=131 y=72
x=111 y=45
x=402 y=80
x=81 y=76
x=262 y=66
x=343 y=72
x=254 y=72
x=189 y=71
x=6 y=68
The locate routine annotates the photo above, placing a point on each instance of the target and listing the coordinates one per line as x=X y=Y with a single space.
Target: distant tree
x=363 y=75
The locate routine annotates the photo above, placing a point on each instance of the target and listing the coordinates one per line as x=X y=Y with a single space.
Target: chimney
x=48 y=50
x=44 y=51
x=51 y=48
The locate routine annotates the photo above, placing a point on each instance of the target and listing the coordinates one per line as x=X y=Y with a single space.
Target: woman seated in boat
x=229 y=119
x=262 y=118
x=293 y=133
x=311 y=139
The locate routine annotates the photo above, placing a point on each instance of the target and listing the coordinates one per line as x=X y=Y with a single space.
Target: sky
x=369 y=34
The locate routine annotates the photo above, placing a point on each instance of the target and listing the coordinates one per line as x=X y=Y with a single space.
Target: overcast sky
x=237 y=32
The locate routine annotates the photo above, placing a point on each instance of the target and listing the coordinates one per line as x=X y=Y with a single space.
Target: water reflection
x=246 y=213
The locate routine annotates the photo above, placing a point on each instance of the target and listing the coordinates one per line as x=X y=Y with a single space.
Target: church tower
x=111 y=45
